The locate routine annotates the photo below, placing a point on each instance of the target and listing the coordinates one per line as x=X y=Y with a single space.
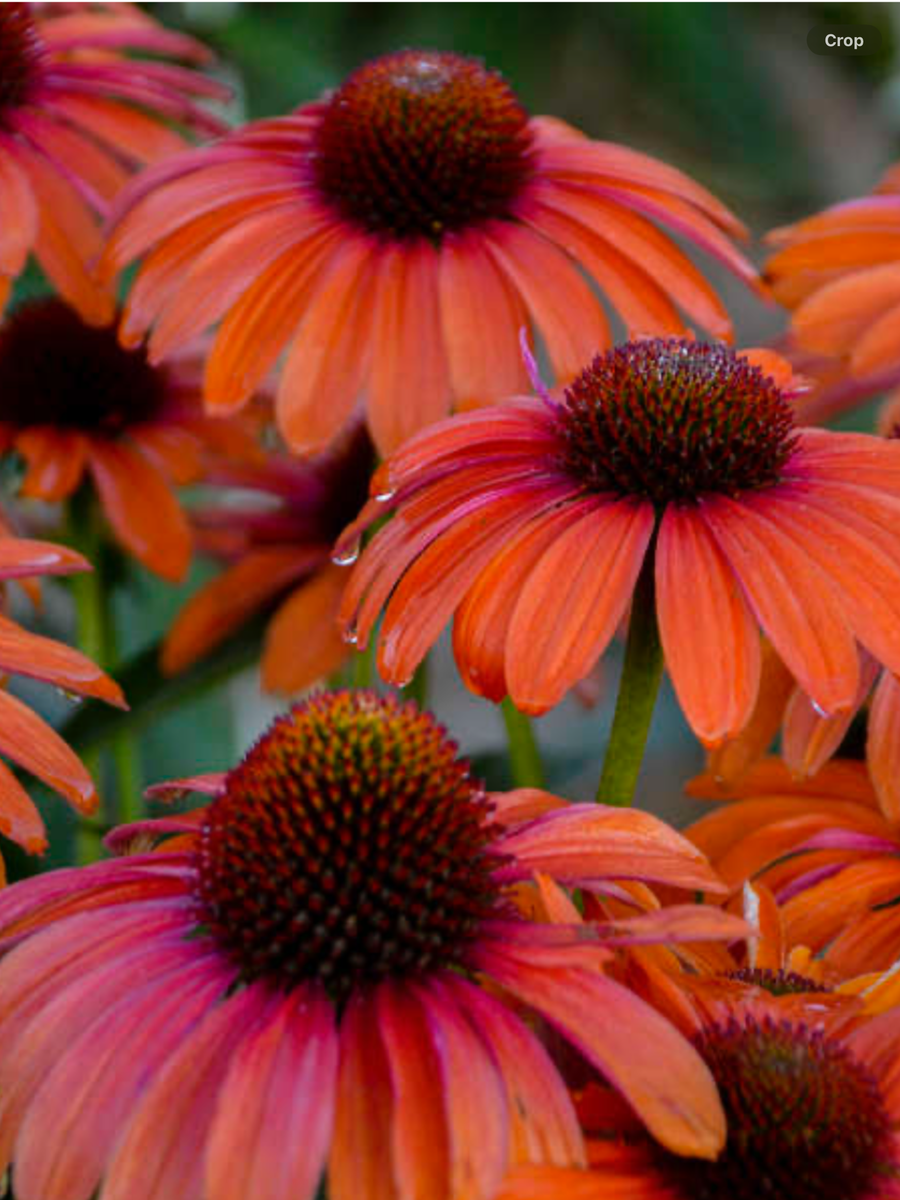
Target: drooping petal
x=30 y=742
x=419 y=1138
x=303 y=642
x=19 y=818
x=360 y=1165
x=272 y=1128
x=573 y=600
x=792 y=598
x=24 y=653
x=408 y=381
x=56 y=460
x=161 y=1153
x=637 y=1050
x=710 y=640
x=141 y=508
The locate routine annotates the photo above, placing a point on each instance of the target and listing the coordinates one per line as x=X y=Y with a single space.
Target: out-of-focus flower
x=812 y=1114
x=24 y=737
x=395 y=236
x=531 y=521
x=278 y=553
x=825 y=851
x=78 y=114
x=73 y=401
x=330 y=967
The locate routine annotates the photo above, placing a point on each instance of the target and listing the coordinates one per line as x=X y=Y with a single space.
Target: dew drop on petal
x=346 y=555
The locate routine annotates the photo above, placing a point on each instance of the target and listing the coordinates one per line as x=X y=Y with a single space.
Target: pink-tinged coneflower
x=78 y=115
x=812 y=1114
x=331 y=970
x=278 y=554
x=24 y=736
x=395 y=236
x=530 y=522
x=74 y=402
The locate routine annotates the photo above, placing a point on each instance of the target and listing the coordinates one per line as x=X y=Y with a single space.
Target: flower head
x=812 y=1115
x=530 y=523
x=25 y=737
x=277 y=544
x=77 y=116
x=345 y=926
x=396 y=236
x=73 y=400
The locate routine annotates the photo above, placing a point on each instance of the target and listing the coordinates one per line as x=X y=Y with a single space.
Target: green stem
x=363 y=673
x=90 y=610
x=524 y=755
x=418 y=685
x=638 y=687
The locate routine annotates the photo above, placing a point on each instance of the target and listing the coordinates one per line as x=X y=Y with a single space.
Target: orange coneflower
x=395 y=236
x=77 y=116
x=72 y=401
x=823 y=848
x=278 y=553
x=812 y=1108
x=531 y=522
x=24 y=736
x=329 y=966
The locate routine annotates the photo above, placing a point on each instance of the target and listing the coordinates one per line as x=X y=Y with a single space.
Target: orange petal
x=27 y=556
x=226 y=602
x=325 y=367
x=729 y=761
x=482 y=315
x=573 y=601
x=408 y=384
x=29 y=741
x=56 y=459
x=710 y=639
x=19 y=818
x=834 y=318
x=419 y=1133
x=561 y=304
x=24 y=653
x=141 y=508
x=303 y=642
x=18 y=214
x=792 y=598
x=883 y=750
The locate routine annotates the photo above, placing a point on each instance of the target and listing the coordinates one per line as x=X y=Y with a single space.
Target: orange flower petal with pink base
x=712 y=645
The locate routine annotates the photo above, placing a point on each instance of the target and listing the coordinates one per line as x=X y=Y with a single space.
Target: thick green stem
x=638 y=687
x=524 y=755
x=363 y=673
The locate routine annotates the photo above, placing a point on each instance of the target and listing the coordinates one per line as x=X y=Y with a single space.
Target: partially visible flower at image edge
x=78 y=116
x=24 y=736
x=327 y=965
x=529 y=523
x=74 y=403
x=812 y=1112
x=395 y=236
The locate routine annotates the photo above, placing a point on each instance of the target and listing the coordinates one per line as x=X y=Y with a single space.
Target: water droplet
x=385 y=497
x=820 y=711
x=351 y=637
x=72 y=697
x=345 y=556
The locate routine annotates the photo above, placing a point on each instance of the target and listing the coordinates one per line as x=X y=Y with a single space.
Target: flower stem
x=524 y=755
x=638 y=688
x=418 y=685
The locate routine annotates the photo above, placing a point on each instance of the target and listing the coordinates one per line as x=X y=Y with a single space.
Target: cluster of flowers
x=353 y=966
